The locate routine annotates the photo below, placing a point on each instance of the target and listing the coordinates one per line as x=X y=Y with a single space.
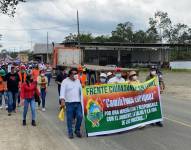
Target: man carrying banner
x=152 y=74
x=102 y=79
x=118 y=77
x=71 y=97
x=133 y=78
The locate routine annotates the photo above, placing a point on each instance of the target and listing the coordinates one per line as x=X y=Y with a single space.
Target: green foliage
x=9 y=6
x=102 y=39
x=82 y=38
x=13 y=54
x=123 y=33
x=161 y=29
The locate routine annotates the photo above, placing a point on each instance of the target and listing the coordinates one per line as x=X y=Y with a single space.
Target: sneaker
x=1 y=107
x=43 y=109
x=24 y=123
x=9 y=114
x=6 y=107
x=33 y=123
x=71 y=136
x=78 y=134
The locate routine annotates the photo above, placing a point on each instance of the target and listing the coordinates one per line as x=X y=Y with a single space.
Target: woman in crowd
x=42 y=83
x=133 y=78
x=28 y=90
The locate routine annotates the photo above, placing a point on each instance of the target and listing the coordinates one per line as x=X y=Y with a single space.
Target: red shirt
x=27 y=92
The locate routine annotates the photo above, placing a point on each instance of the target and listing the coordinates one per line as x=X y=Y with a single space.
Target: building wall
x=127 y=57
x=23 y=57
x=142 y=56
x=100 y=57
x=43 y=58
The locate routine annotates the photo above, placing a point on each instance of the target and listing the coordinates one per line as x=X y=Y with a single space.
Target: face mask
x=42 y=74
x=153 y=73
x=118 y=75
x=134 y=78
x=102 y=80
x=75 y=76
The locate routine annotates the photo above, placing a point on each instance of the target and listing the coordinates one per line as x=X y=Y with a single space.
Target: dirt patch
x=15 y=136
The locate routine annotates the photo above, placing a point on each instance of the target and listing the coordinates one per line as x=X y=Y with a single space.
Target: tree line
x=161 y=30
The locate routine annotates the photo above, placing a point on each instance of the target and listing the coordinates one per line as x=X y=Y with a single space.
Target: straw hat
x=132 y=73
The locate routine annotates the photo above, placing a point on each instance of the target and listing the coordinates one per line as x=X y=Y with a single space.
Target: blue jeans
x=12 y=99
x=5 y=98
x=1 y=98
x=74 y=110
x=32 y=105
x=43 y=96
x=49 y=78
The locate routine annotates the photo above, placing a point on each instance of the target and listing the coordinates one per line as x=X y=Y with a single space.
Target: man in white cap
x=102 y=79
x=118 y=77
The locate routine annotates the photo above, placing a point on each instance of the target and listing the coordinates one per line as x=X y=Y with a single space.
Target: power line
x=32 y=29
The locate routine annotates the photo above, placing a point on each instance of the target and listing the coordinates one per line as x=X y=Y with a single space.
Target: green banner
x=112 y=108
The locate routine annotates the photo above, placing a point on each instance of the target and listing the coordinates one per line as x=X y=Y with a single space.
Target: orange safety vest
x=20 y=77
x=82 y=79
x=35 y=74
x=2 y=84
x=22 y=80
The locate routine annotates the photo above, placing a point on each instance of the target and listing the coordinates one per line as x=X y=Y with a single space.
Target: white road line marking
x=179 y=122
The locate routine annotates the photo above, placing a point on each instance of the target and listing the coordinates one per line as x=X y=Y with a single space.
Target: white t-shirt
x=71 y=91
x=116 y=80
x=9 y=68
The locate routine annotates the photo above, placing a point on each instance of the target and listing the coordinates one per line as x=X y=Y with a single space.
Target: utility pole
x=47 y=60
x=78 y=28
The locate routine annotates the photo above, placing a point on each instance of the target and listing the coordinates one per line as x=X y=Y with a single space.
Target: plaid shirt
x=27 y=92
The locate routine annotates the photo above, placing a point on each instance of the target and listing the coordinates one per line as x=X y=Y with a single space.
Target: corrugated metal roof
x=42 y=48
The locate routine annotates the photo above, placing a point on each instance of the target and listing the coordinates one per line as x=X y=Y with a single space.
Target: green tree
x=161 y=26
x=123 y=33
x=86 y=37
x=82 y=37
x=71 y=38
x=140 y=37
x=180 y=33
x=9 y=6
x=102 y=39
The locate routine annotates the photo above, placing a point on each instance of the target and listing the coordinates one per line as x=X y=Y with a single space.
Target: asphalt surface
x=175 y=135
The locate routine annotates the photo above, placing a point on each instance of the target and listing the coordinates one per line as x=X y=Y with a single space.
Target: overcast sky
x=58 y=17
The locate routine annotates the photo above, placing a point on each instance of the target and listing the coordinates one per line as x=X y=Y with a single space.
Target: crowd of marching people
x=26 y=84
x=70 y=84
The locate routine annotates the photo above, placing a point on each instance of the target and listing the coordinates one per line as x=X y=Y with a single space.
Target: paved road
x=175 y=135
